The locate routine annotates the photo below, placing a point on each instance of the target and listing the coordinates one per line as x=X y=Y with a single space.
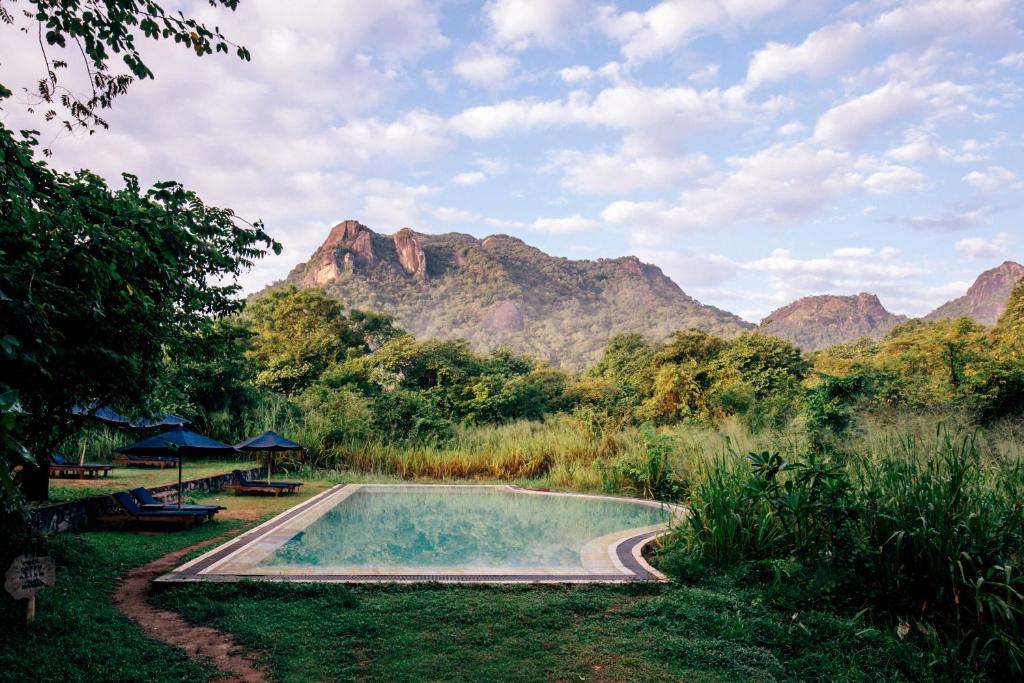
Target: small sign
x=26 y=576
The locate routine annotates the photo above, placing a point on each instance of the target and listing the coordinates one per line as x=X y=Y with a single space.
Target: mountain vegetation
x=500 y=292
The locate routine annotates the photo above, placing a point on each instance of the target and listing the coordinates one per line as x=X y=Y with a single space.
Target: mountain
x=814 y=322
x=499 y=291
x=986 y=298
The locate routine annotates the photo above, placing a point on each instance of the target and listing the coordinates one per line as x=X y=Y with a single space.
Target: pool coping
x=626 y=553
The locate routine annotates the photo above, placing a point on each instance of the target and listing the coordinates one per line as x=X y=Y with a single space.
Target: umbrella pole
x=179 y=481
x=270 y=462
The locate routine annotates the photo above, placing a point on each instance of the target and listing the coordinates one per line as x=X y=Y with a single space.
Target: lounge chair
x=160 y=461
x=59 y=466
x=148 y=502
x=242 y=484
x=132 y=512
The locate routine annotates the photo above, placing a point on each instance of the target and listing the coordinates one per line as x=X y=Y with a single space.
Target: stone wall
x=76 y=515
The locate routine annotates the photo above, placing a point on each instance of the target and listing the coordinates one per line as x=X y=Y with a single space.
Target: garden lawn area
x=724 y=629
x=122 y=478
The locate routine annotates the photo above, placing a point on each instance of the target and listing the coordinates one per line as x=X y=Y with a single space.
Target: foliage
x=930 y=536
x=143 y=268
x=648 y=473
x=96 y=31
x=98 y=285
x=296 y=336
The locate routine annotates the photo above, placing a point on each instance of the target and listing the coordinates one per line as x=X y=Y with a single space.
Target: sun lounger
x=160 y=461
x=132 y=512
x=59 y=466
x=148 y=502
x=244 y=485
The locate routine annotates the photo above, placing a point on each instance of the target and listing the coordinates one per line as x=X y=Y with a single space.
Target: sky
x=756 y=150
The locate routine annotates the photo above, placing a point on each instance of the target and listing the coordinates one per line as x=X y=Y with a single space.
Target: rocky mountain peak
x=502 y=292
x=986 y=298
x=817 y=321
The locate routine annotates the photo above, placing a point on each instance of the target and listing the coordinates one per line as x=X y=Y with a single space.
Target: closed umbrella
x=179 y=442
x=270 y=443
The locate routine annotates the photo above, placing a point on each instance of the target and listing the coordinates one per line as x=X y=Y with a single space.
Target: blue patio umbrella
x=269 y=442
x=180 y=442
x=160 y=420
x=101 y=414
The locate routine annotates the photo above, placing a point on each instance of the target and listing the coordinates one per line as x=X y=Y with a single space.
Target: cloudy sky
x=756 y=150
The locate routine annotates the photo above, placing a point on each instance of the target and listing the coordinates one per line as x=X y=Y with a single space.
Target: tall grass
x=923 y=529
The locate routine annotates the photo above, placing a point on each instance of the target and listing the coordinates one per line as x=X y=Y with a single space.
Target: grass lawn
x=62 y=490
x=722 y=630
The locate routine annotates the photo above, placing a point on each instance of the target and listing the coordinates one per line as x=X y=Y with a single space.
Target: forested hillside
x=501 y=292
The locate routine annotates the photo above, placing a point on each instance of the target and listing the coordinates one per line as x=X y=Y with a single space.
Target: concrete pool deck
x=612 y=558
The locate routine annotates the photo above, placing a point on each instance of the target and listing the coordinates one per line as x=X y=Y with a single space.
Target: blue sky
x=756 y=150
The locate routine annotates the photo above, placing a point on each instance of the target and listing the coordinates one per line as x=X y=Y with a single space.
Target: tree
x=97 y=284
x=298 y=335
x=95 y=30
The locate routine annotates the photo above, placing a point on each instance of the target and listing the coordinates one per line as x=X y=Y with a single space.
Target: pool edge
x=627 y=551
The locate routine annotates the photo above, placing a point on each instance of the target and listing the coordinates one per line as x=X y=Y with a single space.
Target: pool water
x=468 y=528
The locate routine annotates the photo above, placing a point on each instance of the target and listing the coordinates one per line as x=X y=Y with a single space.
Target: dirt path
x=198 y=642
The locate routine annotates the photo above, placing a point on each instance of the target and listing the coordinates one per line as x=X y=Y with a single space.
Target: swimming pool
x=443 y=533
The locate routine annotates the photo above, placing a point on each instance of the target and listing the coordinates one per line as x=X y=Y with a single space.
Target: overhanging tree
x=97 y=283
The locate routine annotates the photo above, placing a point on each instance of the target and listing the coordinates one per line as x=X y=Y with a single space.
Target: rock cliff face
x=986 y=299
x=818 y=321
x=499 y=291
x=410 y=253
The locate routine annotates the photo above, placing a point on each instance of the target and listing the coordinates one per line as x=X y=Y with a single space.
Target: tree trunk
x=35 y=480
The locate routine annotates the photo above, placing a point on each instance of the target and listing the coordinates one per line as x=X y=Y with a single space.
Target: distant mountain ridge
x=814 y=322
x=986 y=299
x=500 y=292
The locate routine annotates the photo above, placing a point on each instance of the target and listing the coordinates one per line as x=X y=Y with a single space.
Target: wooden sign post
x=25 y=577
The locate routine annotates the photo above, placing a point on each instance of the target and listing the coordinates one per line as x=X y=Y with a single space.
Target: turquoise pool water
x=413 y=527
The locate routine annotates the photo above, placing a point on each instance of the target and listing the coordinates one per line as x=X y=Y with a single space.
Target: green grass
x=62 y=490
x=532 y=633
x=78 y=634
x=721 y=630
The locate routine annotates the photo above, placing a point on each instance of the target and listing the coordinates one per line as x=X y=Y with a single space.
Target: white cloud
x=671 y=24
x=705 y=76
x=624 y=107
x=689 y=268
x=520 y=23
x=574 y=223
x=791 y=129
x=469 y=178
x=823 y=52
x=853 y=252
x=1014 y=60
x=573 y=75
x=416 y=135
x=491 y=166
x=779 y=184
x=483 y=66
x=990 y=179
x=846 y=124
x=889 y=253
x=447 y=214
x=892 y=179
x=622 y=172
x=979 y=247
